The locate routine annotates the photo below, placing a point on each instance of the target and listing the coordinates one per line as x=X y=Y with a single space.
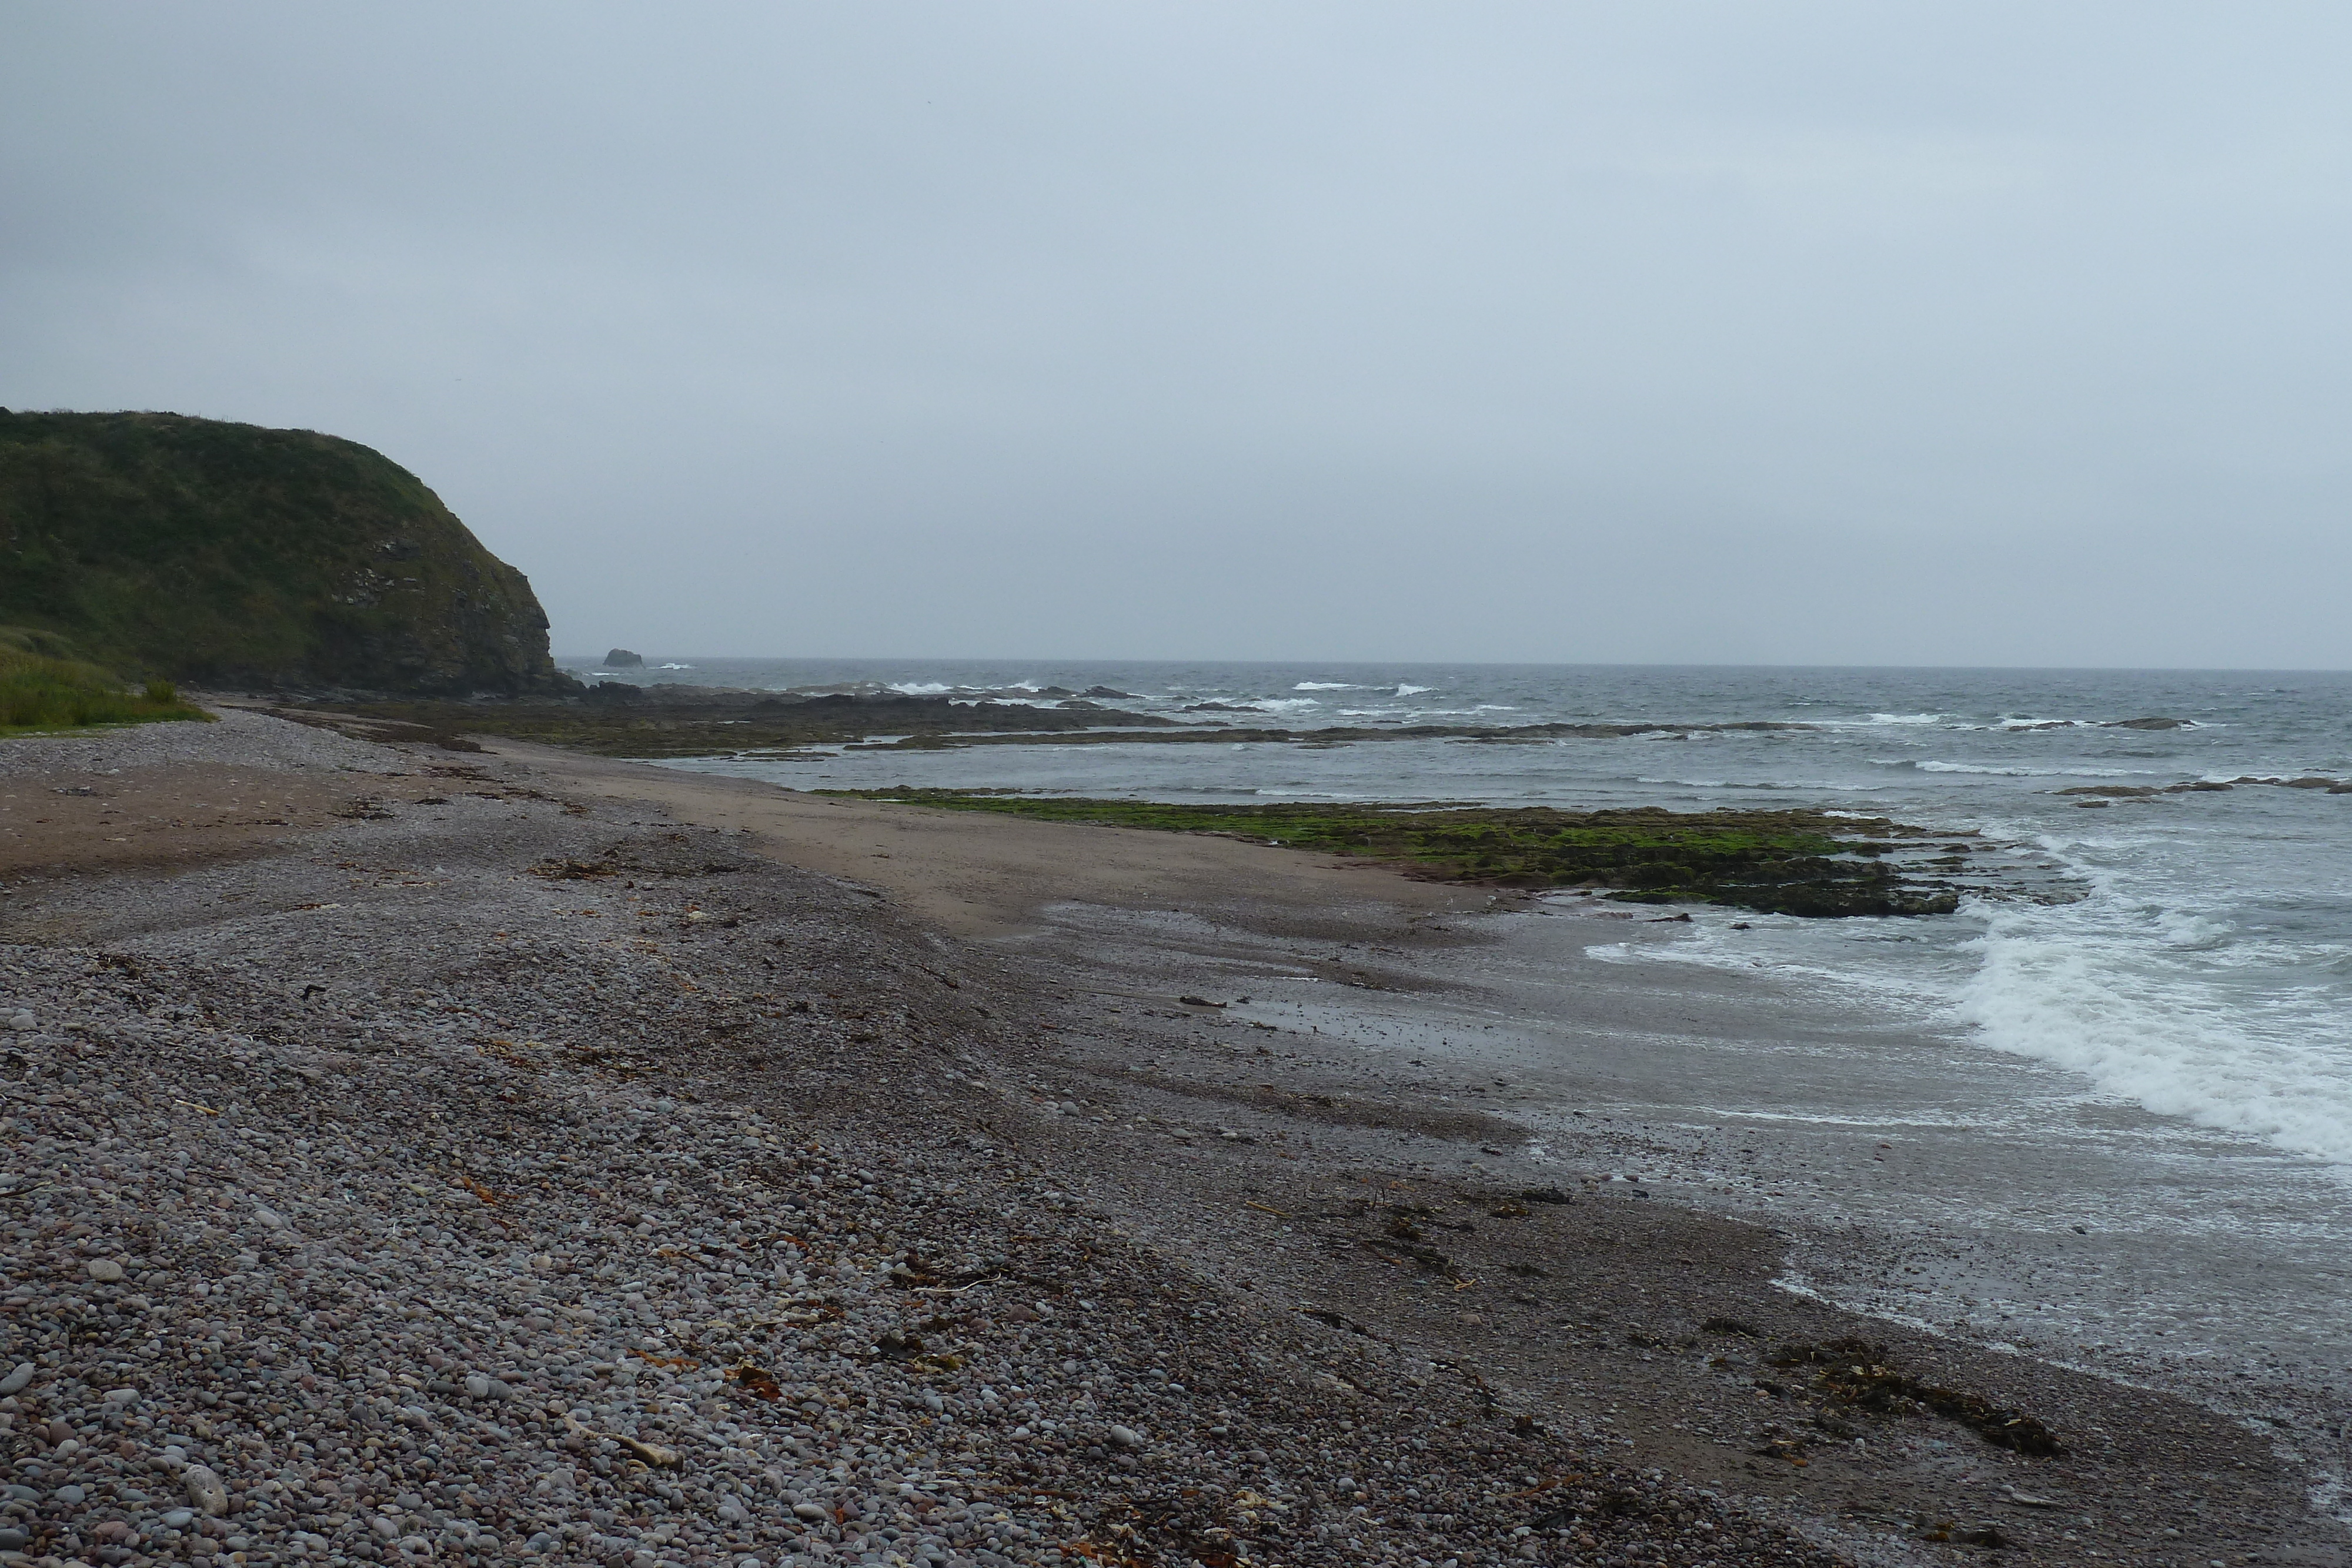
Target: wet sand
x=984 y=876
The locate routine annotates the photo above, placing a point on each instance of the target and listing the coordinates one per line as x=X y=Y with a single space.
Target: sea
x=2117 y=1096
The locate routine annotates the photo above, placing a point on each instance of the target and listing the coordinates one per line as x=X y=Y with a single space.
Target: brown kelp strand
x=1855 y=1376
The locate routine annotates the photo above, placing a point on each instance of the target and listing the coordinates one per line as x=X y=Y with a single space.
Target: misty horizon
x=1968 y=337
x=654 y=660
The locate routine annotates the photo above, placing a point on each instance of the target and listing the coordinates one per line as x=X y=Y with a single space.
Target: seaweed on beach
x=1805 y=862
x=1856 y=1377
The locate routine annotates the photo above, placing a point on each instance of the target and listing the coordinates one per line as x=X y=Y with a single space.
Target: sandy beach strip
x=527 y=1155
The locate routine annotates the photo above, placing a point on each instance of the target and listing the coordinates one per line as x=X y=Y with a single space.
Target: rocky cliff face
x=230 y=555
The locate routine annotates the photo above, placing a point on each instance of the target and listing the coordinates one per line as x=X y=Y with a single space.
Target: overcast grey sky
x=1865 y=333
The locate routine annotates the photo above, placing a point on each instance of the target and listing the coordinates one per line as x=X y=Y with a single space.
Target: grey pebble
x=393 y=1296
x=206 y=1493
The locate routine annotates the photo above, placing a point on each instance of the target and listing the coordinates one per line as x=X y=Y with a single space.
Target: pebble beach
x=412 y=1157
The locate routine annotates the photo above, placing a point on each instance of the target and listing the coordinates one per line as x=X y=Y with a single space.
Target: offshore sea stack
x=232 y=556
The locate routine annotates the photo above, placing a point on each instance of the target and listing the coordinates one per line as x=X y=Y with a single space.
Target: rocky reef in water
x=614 y=718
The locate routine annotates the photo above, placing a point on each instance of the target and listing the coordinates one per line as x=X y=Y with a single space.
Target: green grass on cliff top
x=44 y=687
x=225 y=554
x=1792 y=862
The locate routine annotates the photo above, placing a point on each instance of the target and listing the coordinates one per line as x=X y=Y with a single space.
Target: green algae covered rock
x=1786 y=861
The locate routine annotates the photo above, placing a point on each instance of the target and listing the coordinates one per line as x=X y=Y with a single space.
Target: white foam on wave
x=1888 y=721
x=922 y=689
x=1332 y=686
x=1425 y=713
x=1811 y=786
x=1405 y=691
x=1947 y=721
x=2088 y=988
x=2027 y=721
x=1733 y=1114
x=1925 y=992
x=1997 y=771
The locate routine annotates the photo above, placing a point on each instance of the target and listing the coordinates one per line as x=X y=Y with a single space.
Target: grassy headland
x=228 y=555
x=1788 y=861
